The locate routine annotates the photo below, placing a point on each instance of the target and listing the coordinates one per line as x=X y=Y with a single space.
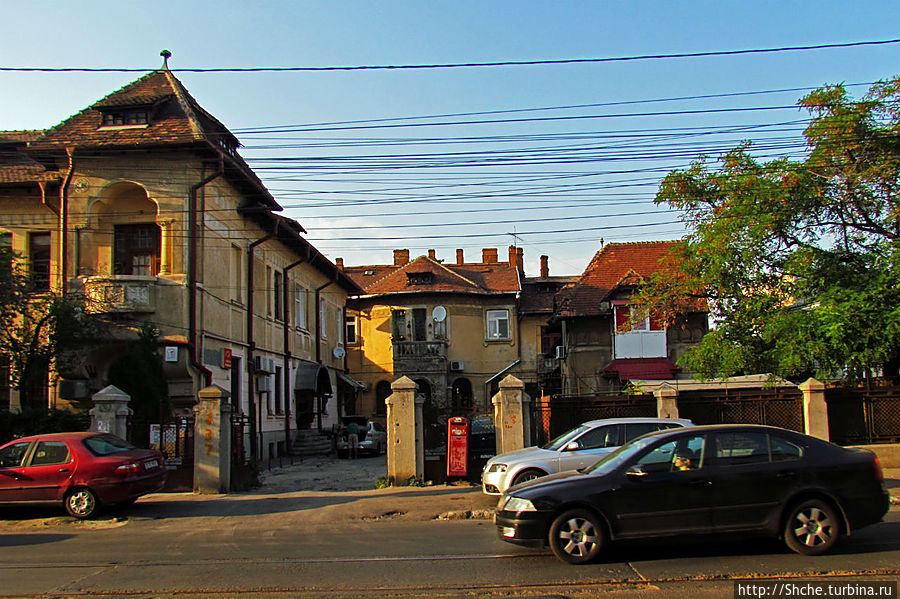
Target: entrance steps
x=311 y=442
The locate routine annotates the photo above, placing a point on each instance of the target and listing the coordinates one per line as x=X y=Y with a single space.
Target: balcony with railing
x=420 y=356
x=121 y=293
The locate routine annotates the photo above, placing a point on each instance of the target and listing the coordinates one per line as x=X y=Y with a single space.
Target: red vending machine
x=457 y=446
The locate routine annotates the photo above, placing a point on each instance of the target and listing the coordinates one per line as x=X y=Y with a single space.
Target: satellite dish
x=439 y=314
x=339 y=352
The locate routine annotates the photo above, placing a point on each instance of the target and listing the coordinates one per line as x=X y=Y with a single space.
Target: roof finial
x=165 y=54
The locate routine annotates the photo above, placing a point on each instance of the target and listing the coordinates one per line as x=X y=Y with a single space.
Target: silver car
x=577 y=448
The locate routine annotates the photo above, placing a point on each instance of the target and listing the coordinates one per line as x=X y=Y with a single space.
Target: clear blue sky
x=568 y=172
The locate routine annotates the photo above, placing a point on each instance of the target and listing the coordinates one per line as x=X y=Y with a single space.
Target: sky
x=555 y=158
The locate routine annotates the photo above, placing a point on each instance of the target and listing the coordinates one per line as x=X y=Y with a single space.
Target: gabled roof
x=539 y=293
x=487 y=278
x=15 y=165
x=616 y=265
x=176 y=119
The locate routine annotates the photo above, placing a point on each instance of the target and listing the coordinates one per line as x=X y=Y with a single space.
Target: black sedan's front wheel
x=812 y=528
x=577 y=536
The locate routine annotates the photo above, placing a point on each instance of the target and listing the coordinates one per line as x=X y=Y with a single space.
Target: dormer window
x=420 y=278
x=133 y=117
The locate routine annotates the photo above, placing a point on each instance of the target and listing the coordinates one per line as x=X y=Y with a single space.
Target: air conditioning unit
x=263 y=365
x=457 y=366
x=263 y=383
x=560 y=352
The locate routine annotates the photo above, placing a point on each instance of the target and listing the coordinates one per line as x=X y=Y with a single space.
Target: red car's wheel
x=81 y=503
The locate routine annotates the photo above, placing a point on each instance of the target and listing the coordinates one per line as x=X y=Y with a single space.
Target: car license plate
x=151 y=464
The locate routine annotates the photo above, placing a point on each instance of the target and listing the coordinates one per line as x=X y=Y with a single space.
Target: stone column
x=165 y=252
x=110 y=412
x=509 y=421
x=815 y=410
x=406 y=448
x=212 y=441
x=666 y=401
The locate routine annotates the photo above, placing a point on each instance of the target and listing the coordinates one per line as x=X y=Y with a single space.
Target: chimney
x=459 y=257
x=520 y=259
x=513 y=257
x=432 y=255
x=339 y=262
x=401 y=257
x=489 y=255
x=545 y=267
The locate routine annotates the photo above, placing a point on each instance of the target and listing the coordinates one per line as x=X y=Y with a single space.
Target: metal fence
x=859 y=416
x=555 y=415
x=175 y=439
x=781 y=406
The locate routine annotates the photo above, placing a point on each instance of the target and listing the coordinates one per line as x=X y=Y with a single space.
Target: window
x=339 y=318
x=737 y=449
x=14 y=455
x=137 y=249
x=602 y=436
x=382 y=392
x=279 y=401
x=783 y=451
x=269 y=287
x=237 y=276
x=498 y=324
x=39 y=256
x=685 y=453
x=122 y=118
x=352 y=324
x=279 y=295
x=398 y=324
x=640 y=338
x=6 y=254
x=419 y=278
x=323 y=320
x=50 y=452
x=300 y=307
x=420 y=316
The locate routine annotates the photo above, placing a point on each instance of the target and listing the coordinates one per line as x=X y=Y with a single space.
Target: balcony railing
x=122 y=293
x=420 y=349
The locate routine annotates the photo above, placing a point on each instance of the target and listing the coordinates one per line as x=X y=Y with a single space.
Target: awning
x=642 y=368
x=312 y=377
x=351 y=381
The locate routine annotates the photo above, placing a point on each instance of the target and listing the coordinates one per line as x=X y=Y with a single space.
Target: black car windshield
x=107 y=445
x=615 y=459
x=563 y=440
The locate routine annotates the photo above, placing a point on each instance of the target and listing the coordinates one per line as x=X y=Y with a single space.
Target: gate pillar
x=815 y=410
x=509 y=415
x=212 y=441
x=666 y=401
x=110 y=412
x=406 y=443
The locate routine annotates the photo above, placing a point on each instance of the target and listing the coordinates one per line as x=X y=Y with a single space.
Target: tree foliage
x=138 y=371
x=798 y=260
x=39 y=331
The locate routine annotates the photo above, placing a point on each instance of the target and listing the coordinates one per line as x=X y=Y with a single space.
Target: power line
x=503 y=63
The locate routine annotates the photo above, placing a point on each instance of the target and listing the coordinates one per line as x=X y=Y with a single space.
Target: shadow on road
x=17 y=540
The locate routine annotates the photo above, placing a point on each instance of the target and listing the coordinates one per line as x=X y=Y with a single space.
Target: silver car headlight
x=497 y=468
x=516 y=504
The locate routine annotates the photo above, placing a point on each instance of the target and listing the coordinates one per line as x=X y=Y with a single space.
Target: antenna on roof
x=165 y=54
x=601 y=242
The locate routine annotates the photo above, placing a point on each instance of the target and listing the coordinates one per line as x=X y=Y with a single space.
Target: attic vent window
x=125 y=118
x=369 y=273
x=228 y=148
x=420 y=278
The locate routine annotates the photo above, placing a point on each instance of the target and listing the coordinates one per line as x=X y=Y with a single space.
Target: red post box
x=457 y=446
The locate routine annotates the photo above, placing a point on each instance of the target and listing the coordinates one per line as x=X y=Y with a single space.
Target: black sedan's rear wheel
x=577 y=536
x=812 y=528
x=81 y=503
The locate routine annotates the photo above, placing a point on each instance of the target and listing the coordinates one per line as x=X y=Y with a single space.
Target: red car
x=83 y=470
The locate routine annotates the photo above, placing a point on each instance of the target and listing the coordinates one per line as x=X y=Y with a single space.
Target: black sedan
x=735 y=479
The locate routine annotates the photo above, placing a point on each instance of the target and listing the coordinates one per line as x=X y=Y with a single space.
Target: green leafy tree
x=138 y=371
x=797 y=260
x=39 y=331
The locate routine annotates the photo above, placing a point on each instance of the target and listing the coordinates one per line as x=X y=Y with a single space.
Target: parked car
x=82 y=470
x=725 y=479
x=482 y=443
x=372 y=436
x=577 y=448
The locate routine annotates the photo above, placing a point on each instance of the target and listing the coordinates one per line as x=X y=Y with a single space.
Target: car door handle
x=788 y=474
x=63 y=469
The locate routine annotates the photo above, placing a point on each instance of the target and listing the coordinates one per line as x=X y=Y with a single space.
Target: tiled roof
x=26 y=174
x=495 y=277
x=20 y=136
x=616 y=264
x=15 y=165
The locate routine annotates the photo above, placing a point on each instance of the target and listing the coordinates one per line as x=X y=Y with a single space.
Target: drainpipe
x=64 y=220
x=492 y=378
x=251 y=346
x=193 y=235
x=287 y=395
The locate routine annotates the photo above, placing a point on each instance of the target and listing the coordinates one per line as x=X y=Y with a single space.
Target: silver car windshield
x=615 y=459
x=563 y=439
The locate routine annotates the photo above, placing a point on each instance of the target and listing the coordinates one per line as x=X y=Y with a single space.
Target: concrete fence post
x=212 y=441
x=509 y=420
x=406 y=447
x=110 y=412
x=815 y=410
x=666 y=401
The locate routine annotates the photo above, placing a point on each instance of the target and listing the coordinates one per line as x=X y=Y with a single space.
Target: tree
x=798 y=260
x=138 y=371
x=39 y=331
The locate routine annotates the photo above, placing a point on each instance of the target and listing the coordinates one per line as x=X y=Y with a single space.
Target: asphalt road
x=351 y=545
